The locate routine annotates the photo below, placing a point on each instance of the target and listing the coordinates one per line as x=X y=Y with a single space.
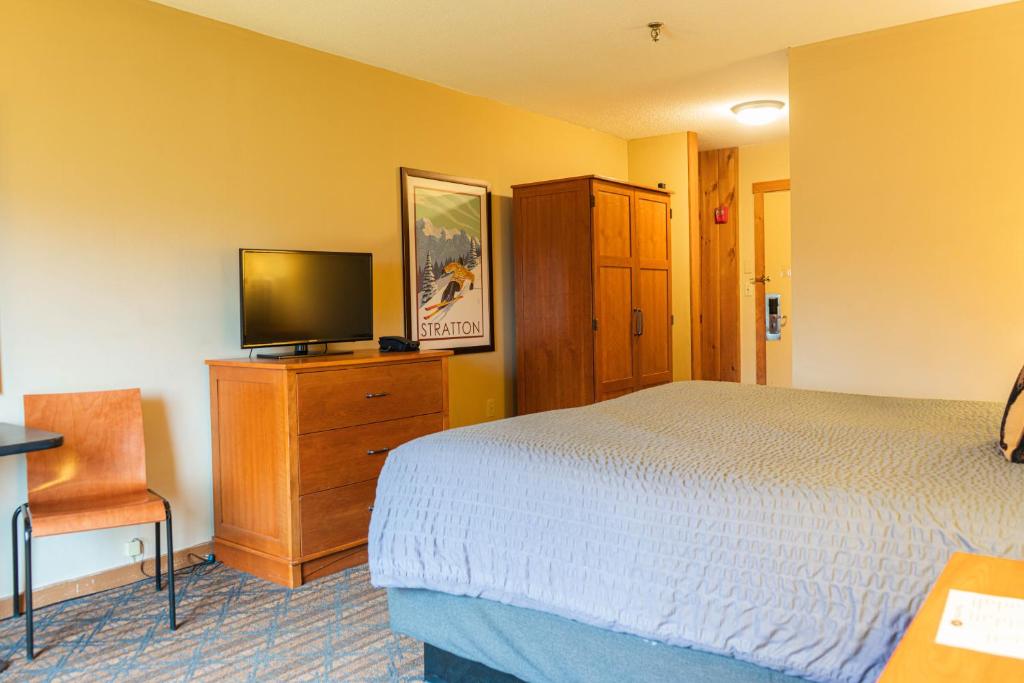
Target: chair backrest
x=104 y=452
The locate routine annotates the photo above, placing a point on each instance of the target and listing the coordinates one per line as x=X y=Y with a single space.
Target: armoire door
x=653 y=327
x=615 y=354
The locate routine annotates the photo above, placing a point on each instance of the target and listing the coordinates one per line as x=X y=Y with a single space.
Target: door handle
x=763 y=280
x=640 y=322
x=380 y=394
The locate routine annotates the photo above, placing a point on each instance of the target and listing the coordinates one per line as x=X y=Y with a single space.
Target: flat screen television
x=304 y=297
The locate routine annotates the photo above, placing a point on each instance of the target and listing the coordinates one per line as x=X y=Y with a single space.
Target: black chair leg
x=29 y=649
x=170 y=568
x=16 y=593
x=157 y=559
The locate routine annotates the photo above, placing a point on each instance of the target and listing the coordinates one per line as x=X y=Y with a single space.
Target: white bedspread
x=797 y=530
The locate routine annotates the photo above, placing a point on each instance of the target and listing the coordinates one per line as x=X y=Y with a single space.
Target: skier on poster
x=452 y=292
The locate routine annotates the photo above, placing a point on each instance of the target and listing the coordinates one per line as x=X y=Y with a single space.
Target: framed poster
x=446 y=239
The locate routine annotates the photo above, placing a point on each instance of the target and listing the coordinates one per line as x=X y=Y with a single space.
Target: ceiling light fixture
x=758 y=112
x=655 y=27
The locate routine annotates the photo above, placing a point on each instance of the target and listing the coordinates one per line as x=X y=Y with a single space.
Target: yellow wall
x=908 y=223
x=662 y=159
x=140 y=147
x=758 y=163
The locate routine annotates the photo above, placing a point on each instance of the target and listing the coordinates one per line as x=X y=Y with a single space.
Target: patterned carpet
x=231 y=627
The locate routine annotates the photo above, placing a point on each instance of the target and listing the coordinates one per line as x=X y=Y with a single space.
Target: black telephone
x=388 y=344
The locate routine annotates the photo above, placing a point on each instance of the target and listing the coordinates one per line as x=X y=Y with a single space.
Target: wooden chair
x=96 y=480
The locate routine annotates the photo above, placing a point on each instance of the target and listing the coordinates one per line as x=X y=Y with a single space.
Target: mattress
x=795 y=530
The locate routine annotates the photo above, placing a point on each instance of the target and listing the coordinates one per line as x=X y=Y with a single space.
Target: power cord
x=201 y=561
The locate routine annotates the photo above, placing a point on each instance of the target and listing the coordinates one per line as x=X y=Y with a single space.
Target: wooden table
x=918 y=658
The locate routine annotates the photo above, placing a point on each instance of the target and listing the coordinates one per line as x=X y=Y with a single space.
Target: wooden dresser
x=593 y=274
x=297 y=447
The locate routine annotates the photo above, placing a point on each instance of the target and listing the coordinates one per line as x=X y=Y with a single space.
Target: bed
x=722 y=531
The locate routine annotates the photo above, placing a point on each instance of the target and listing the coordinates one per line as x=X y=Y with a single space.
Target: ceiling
x=591 y=62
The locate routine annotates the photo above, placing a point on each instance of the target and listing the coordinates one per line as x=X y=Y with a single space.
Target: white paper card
x=983 y=623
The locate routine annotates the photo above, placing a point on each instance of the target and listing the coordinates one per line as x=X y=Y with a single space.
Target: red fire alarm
x=722 y=215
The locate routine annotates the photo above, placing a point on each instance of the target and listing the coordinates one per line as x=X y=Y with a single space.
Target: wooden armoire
x=593 y=283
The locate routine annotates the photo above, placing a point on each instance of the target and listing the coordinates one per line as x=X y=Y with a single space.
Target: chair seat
x=69 y=516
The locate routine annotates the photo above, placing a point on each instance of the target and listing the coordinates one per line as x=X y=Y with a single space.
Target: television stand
x=301 y=351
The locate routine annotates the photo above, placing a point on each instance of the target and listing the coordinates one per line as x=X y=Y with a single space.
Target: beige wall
x=908 y=222
x=663 y=159
x=758 y=163
x=140 y=147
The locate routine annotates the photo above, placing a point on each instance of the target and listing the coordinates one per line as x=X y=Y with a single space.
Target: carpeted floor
x=231 y=627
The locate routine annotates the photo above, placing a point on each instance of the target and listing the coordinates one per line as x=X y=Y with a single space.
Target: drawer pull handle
x=377 y=451
x=380 y=394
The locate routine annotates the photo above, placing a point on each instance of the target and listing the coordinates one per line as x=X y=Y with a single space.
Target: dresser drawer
x=346 y=398
x=336 y=517
x=346 y=456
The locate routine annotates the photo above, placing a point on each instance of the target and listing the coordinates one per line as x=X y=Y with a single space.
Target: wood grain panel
x=331 y=361
x=761 y=354
x=719 y=266
x=709 y=281
x=919 y=659
x=334 y=563
x=694 y=210
x=613 y=220
x=347 y=456
x=104 y=451
x=554 y=298
x=336 y=517
x=655 y=354
x=614 y=338
x=652 y=227
x=250 y=460
x=729 y=268
x=345 y=398
x=759 y=290
x=615 y=394
x=264 y=565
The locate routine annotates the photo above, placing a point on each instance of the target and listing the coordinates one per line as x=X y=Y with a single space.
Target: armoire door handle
x=640 y=322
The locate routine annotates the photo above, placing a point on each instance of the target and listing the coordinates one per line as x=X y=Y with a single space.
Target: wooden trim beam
x=104 y=580
x=760 y=189
x=694 y=198
x=761 y=350
x=771 y=186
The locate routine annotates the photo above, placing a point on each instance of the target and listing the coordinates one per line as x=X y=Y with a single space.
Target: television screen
x=305 y=297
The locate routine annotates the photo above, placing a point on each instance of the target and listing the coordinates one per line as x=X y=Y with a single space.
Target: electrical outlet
x=133 y=548
x=490 y=408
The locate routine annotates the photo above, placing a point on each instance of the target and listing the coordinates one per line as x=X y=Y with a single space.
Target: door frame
x=760 y=189
x=693 y=210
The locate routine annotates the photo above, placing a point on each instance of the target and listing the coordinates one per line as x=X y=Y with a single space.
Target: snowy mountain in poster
x=443 y=244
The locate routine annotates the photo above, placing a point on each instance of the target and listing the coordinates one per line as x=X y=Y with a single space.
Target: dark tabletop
x=18 y=439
